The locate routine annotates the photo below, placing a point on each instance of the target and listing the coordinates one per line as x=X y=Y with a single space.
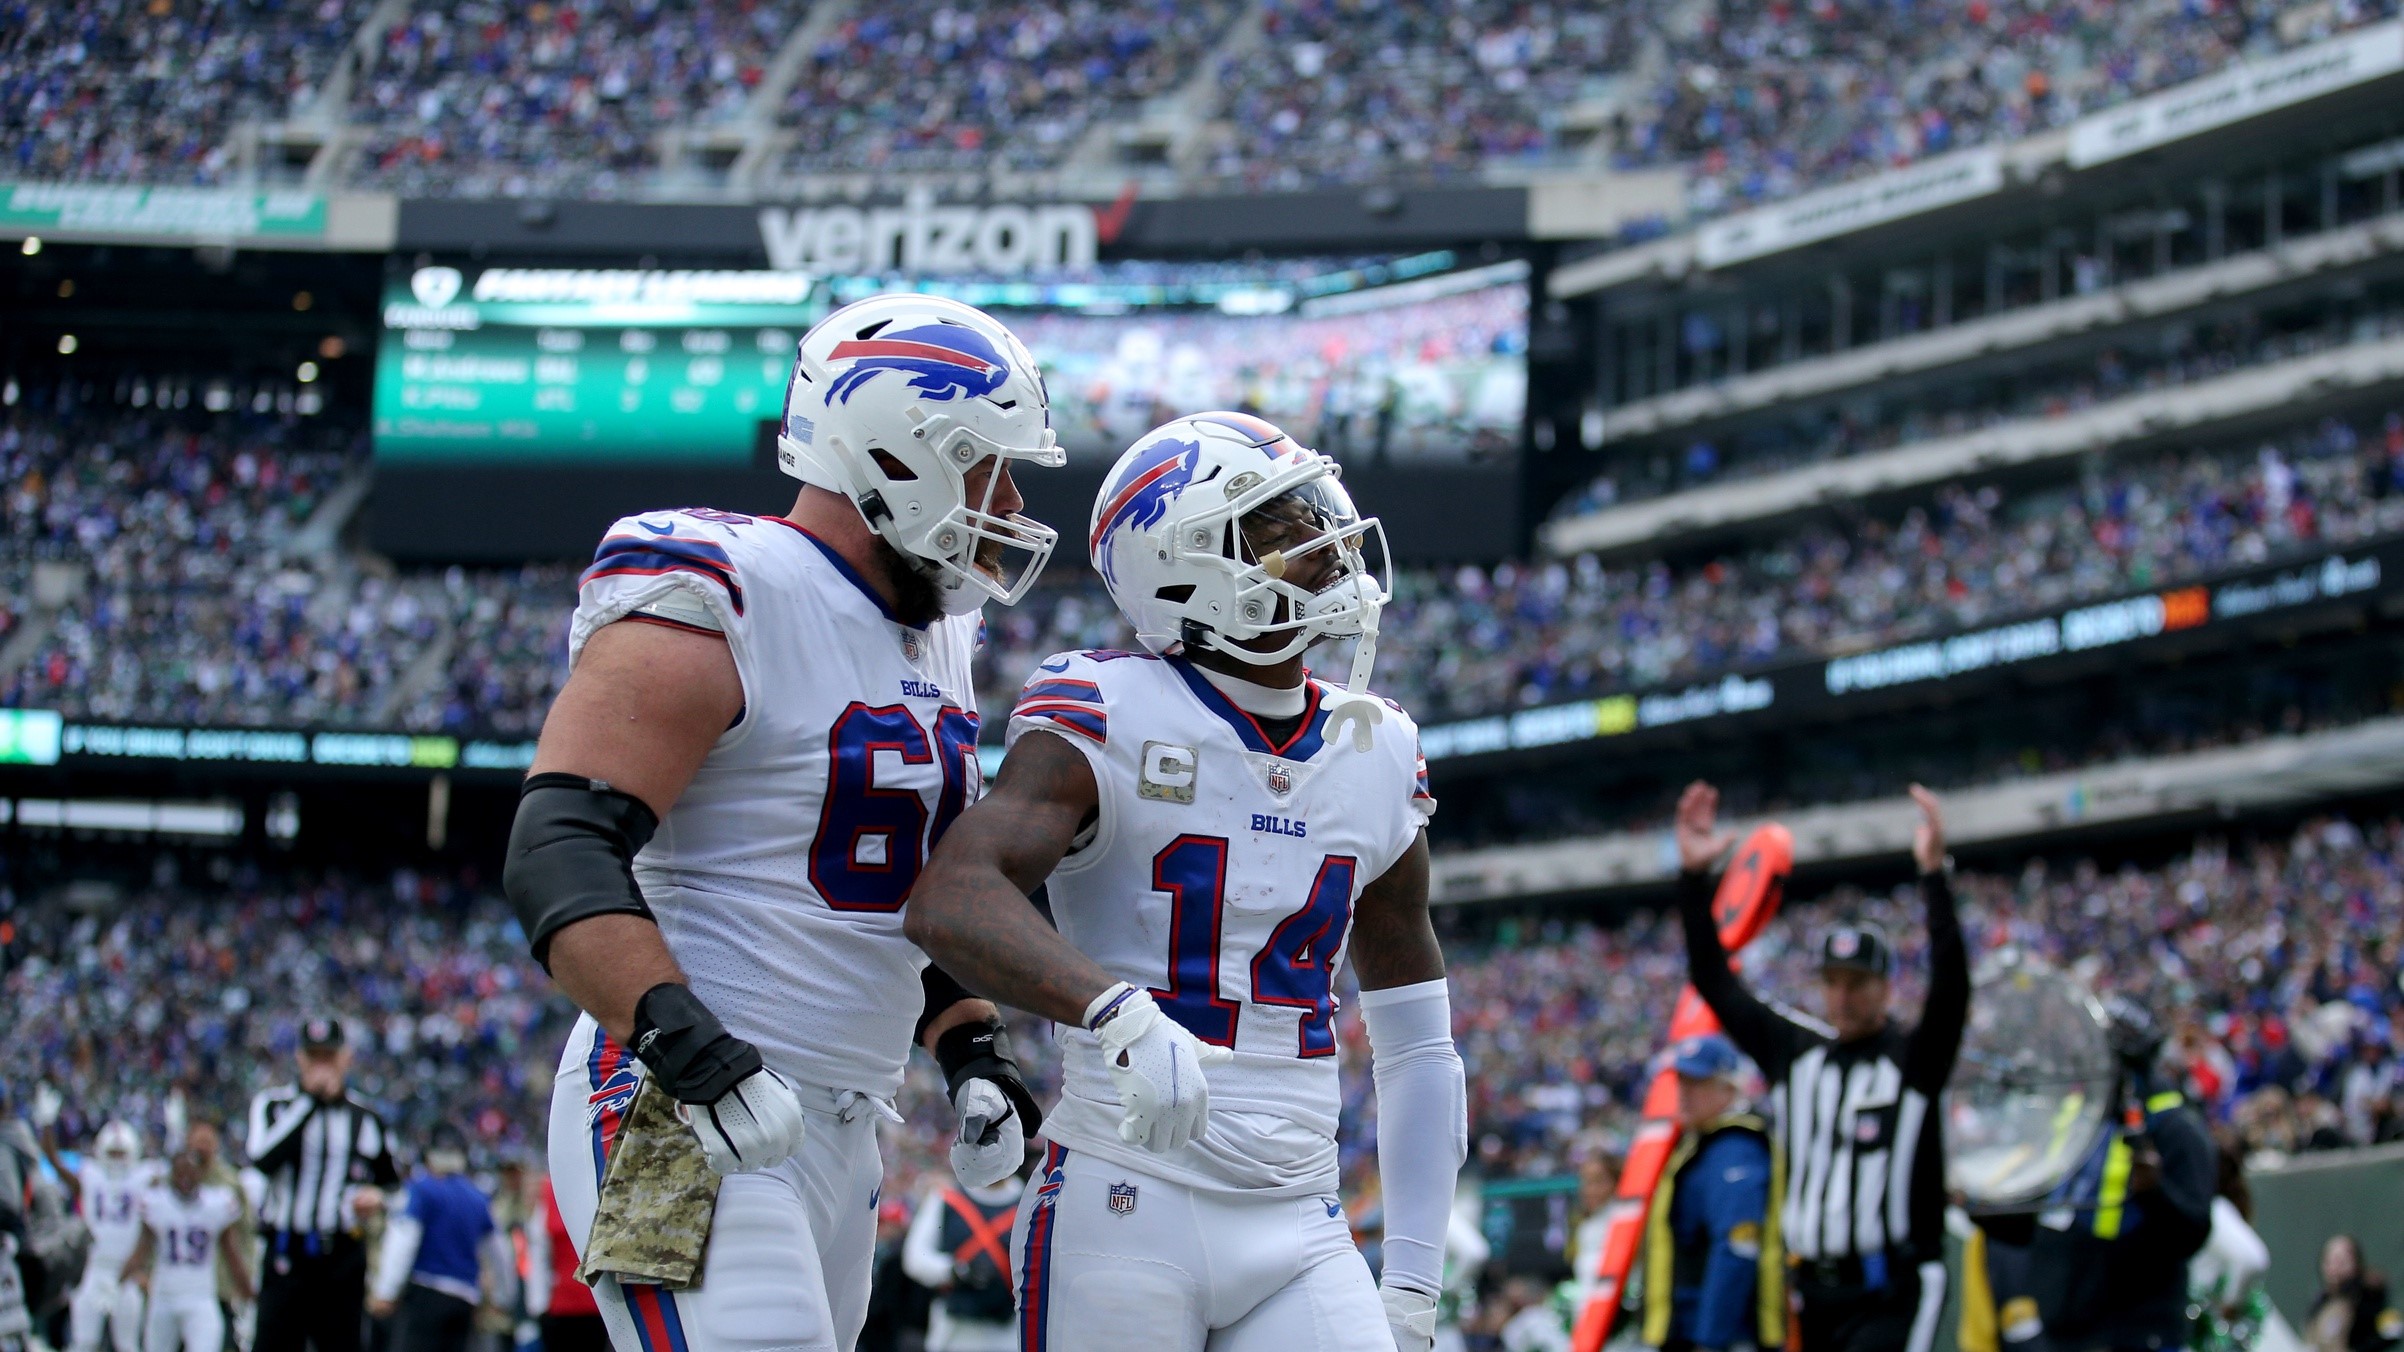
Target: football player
x=768 y=722
x=1216 y=842
x=188 y=1227
x=108 y=1187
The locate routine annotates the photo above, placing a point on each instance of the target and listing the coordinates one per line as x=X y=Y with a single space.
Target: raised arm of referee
x=1854 y=1102
x=324 y=1153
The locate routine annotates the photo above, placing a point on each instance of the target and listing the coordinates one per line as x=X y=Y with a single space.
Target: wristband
x=695 y=1059
x=981 y=1051
x=1107 y=1006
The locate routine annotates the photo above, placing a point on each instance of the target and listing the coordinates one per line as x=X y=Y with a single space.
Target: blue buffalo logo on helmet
x=1141 y=497
x=943 y=361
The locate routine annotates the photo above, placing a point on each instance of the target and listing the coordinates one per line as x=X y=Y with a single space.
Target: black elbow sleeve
x=941 y=993
x=571 y=855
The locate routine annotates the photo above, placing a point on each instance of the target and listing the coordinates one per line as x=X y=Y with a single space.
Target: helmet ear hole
x=894 y=469
x=1178 y=594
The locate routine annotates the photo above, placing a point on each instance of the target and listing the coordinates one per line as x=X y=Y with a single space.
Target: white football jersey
x=111 y=1202
x=185 y=1263
x=1221 y=876
x=778 y=878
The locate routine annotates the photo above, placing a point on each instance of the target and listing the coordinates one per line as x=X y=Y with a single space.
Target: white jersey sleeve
x=681 y=564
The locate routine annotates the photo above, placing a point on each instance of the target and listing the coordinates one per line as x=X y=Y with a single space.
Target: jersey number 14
x=1295 y=969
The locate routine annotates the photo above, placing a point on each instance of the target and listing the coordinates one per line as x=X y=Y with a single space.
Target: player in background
x=188 y=1227
x=768 y=722
x=1219 y=832
x=107 y=1187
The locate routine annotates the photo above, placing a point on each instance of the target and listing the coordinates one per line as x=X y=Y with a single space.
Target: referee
x=1855 y=1102
x=325 y=1154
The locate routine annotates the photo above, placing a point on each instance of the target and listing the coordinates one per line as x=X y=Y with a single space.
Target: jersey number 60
x=872 y=841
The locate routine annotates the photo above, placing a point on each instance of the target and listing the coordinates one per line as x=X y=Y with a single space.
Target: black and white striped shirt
x=313 y=1153
x=1865 y=1156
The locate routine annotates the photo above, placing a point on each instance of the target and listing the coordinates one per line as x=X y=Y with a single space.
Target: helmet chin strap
x=1356 y=706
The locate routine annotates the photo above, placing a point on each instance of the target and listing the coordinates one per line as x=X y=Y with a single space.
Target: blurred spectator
x=569 y=1318
x=2351 y=1313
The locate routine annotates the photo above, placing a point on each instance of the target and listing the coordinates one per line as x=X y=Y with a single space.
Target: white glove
x=992 y=1142
x=1156 y=1066
x=754 y=1126
x=1410 y=1316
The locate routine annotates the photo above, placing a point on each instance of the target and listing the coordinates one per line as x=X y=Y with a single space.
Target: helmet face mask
x=895 y=402
x=1209 y=528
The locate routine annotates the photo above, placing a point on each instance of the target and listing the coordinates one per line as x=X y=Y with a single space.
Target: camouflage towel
x=653 y=1221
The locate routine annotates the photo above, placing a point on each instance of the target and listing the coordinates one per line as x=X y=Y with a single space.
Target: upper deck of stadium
x=1699 y=108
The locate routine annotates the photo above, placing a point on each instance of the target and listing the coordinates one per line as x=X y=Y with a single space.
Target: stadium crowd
x=197 y=608
x=1345 y=92
x=1757 y=99
x=192 y=992
x=548 y=100
x=1474 y=640
x=2039 y=391
x=2274 y=962
x=934 y=85
x=1766 y=98
x=101 y=91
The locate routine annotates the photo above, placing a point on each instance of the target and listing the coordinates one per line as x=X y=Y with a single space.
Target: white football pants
x=791 y=1249
x=101 y=1299
x=194 y=1321
x=1108 y=1257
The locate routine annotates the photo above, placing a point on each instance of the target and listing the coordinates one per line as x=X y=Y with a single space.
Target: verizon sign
x=918 y=236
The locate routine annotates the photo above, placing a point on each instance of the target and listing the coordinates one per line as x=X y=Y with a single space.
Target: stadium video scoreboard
x=552 y=364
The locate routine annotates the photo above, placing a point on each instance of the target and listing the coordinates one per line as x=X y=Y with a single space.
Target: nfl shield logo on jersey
x=1281 y=780
x=1122 y=1199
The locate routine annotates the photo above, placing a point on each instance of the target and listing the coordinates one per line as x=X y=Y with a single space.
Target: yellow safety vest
x=1661 y=1248
x=1983 y=1324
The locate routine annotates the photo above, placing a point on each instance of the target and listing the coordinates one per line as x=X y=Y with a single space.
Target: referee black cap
x=321 y=1034
x=1857 y=948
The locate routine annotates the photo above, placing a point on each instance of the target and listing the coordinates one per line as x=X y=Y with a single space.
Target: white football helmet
x=117 y=1146
x=938 y=387
x=1168 y=539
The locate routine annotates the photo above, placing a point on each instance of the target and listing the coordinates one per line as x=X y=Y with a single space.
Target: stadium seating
x=2269 y=959
x=929 y=85
x=197 y=987
x=2030 y=407
x=559 y=100
x=1770 y=97
x=100 y=91
x=1757 y=100
x=2261 y=958
x=1345 y=92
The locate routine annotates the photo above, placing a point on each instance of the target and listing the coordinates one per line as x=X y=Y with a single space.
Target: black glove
x=695 y=1058
x=981 y=1051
